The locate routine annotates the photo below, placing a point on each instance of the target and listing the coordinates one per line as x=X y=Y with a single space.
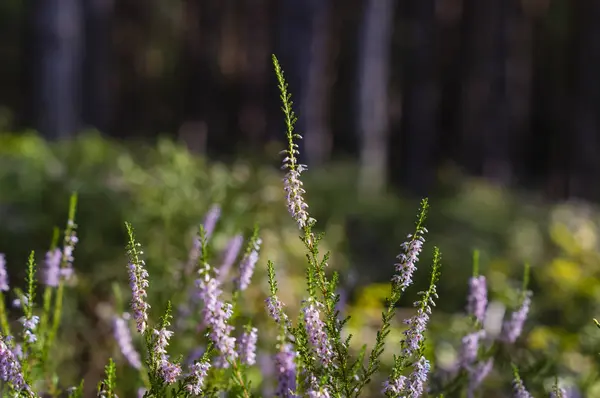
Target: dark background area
x=504 y=89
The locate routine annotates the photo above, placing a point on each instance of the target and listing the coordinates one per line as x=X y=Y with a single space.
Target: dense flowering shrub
x=311 y=352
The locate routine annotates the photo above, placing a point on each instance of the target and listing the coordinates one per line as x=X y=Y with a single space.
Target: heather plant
x=311 y=351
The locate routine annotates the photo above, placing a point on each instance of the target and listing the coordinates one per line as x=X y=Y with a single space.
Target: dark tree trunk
x=298 y=35
x=420 y=96
x=97 y=72
x=57 y=27
x=584 y=162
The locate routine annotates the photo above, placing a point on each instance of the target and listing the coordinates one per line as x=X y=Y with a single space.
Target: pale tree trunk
x=57 y=28
x=373 y=115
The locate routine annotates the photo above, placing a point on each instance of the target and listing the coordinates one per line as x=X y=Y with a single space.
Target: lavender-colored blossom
x=511 y=329
x=477 y=300
x=209 y=223
x=169 y=371
x=408 y=260
x=247 y=265
x=418 y=377
x=316 y=391
x=315 y=328
x=216 y=315
x=285 y=366
x=3 y=274
x=138 y=281
x=247 y=347
x=52 y=272
x=470 y=346
x=292 y=185
x=414 y=333
x=559 y=393
x=210 y=220
x=520 y=390
x=141 y=391
x=198 y=372
x=231 y=252
x=10 y=368
x=123 y=338
x=67 y=253
x=29 y=326
x=395 y=387
x=477 y=375
x=275 y=309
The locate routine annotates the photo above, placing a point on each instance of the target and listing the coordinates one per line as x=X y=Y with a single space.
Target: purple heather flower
x=3 y=274
x=316 y=391
x=247 y=347
x=477 y=374
x=418 y=377
x=511 y=329
x=123 y=338
x=408 y=260
x=51 y=272
x=169 y=371
x=141 y=391
x=394 y=387
x=198 y=372
x=293 y=188
x=477 y=300
x=275 y=309
x=29 y=326
x=67 y=253
x=209 y=223
x=210 y=220
x=519 y=389
x=285 y=366
x=247 y=265
x=559 y=392
x=216 y=315
x=470 y=345
x=315 y=328
x=231 y=252
x=414 y=334
x=10 y=368
x=138 y=281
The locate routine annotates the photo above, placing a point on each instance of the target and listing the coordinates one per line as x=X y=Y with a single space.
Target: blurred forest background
x=490 y=107
x=504 y=89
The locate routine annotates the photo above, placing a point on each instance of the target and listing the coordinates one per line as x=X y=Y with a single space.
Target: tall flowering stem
x=123 y=338
x=413 y=344
x=66 y=266
x=403 y=278
x=138 y=281
x=518 y=387
x=10 y=369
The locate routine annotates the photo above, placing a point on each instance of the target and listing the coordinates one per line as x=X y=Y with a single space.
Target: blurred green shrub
x=165 y=192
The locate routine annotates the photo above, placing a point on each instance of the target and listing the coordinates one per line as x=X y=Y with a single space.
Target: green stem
x=3 y=317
